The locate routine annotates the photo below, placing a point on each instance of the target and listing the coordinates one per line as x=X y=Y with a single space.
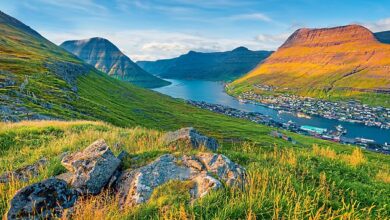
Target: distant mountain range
x=383 y=36
x=106 y=57
x=207 y=66
x=337 y=62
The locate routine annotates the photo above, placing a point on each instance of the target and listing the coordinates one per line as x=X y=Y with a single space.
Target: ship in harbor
x=341 y=129
x=303 y=115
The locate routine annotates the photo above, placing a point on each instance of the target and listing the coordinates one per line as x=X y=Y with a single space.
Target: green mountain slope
x=207 y=66
x=40 y=80
x=106 y=57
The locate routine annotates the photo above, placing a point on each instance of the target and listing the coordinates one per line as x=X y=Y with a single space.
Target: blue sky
x=155 y=29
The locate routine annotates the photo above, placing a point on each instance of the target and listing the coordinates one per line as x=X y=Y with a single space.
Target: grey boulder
x=42 y=200
x=136 y=186
x=92 y=168
x=190 y=137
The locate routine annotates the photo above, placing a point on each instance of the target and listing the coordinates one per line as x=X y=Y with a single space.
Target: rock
x=136 y=186
x=226 y=170
x=122 y=155
x=190 y=137
x=193 y=163
x=204 y=184
x=91 y=168
x=46 y=199
x=67 y=177
x=24 y=173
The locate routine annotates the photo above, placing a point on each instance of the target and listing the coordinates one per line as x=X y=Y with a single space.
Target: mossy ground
x=322 y=180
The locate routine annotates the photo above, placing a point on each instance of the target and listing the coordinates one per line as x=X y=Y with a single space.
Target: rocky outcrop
x=96 y=167
x=189 y=137
x=136 y=186
x=24 y=173
x=226 y=170
x=91 y=168
x=68 y=71
x=43 y=200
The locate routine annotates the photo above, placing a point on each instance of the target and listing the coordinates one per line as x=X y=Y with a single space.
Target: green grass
x=320 y=181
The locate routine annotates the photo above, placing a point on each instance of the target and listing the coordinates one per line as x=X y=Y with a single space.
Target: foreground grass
x=321 y=181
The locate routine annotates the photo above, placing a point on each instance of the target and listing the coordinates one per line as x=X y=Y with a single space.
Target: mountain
x=383 y=36
x=207 y=66
x=337 y=62
x=106 y=57
x=40 y=80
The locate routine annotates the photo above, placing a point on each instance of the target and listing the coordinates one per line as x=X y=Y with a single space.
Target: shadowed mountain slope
x=207 y=66
x=106 y=57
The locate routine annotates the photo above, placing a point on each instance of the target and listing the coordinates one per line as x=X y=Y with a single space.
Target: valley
x=211 y=95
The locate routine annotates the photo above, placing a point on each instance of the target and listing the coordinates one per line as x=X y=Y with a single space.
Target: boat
x=303 y=115
x=364 y=140
x=341 y=129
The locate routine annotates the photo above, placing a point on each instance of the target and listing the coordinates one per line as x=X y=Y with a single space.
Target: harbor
x=214 y=93
x=335 y=134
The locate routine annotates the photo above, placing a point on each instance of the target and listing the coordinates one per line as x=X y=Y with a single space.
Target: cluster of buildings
x=350 y=111
x=332 y=135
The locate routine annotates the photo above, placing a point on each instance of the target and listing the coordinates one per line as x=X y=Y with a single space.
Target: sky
x=160 y=29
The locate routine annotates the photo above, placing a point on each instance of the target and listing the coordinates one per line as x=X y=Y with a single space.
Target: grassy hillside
x=331 y=63
x=320 y=181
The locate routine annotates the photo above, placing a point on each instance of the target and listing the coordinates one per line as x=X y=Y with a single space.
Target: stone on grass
x=42 y=200
x=226 y=170
x=92 y=168
x=190 y=137
x=136 y=186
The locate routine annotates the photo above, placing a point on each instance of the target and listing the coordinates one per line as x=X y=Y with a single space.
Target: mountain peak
x=240 y=49
x=105 y=56
x=318 y=37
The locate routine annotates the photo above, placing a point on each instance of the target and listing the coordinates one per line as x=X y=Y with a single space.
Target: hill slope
x=335 y=62
x=40 y=80
x=207 y=66
x=106 y=57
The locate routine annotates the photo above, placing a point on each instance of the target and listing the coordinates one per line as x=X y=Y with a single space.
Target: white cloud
x=252 y=16
x=154 y=44
x=380 y=25
x=85 y=6
x=276 y=39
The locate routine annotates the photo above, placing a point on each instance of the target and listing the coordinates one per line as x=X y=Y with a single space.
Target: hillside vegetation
x=331 y=63
x=313 y=182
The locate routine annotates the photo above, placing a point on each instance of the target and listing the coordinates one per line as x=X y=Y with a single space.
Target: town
x=351 y=111
x=335 y=135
